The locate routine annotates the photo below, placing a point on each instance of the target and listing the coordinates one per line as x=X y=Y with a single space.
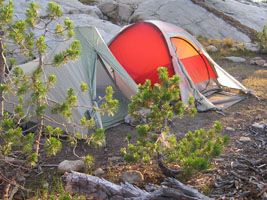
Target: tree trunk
x=2 y=78
x=40 y=119
x=101 y=189
x=165 y=170
x=38 y=134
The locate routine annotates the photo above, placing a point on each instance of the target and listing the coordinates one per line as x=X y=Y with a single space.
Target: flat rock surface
x=189 y=16
x=253 y=15
x=80 y=14
x=235 y=59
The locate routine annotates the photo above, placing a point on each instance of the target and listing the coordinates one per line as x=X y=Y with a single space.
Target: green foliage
x=53 y=132
x=109 y=105
x=53 y=10
x=193 y=153
x=88 y=163
x=11 y=136
x=32 y=90
x=52 y=146
x=28 y=142
x=6 y=13
x=32 y=159
x=97 y=138
x=53 y=189
x=65 y=108
x=84 y=87
x=262 y=36
x=70 y=54
x=32 y=14
x=40 y=45
x=158 y=100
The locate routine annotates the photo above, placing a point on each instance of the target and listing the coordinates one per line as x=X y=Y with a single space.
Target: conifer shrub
x=262 y=37
x=31 y=91
x=155 y=142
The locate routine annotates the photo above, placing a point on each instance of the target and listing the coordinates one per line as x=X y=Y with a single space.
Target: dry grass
x=226 y=47
x=228 y=42
x=258 y=81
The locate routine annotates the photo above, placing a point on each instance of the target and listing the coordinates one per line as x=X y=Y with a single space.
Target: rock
x=80 y=14
x=98 y=172
x=260 y=126
x=211 y=48
x=70 y=165
x=117 y=12
x=115 y=159
x=252 y=47
x=257 y=58
x=199 y=22
x=244 y=139
x=242 y=12
x=265 y=65
x=108 y=7
x=253 y=60
x=260 y=62
x=124 y=12
x=235 y=59
x=230 y=129
x=132 y=177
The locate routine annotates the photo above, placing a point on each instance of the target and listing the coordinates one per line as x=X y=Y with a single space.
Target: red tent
x=143 y=47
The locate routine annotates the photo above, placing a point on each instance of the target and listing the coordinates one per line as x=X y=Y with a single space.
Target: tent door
x=103 y=80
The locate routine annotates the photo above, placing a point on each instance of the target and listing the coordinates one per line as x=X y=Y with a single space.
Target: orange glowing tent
x=144 y=46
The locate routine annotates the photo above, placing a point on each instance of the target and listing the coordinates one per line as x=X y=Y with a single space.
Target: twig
x=7 y=180
x=239 y=176
x=14 y=165
x=262 y=191
x=13 y=192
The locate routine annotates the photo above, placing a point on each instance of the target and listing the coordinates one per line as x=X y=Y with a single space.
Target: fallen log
x=101 y=189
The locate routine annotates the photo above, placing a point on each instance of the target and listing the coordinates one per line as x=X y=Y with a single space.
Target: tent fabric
x=151 y=54
x=94 y=67
x=144 y=46
x=190 y=56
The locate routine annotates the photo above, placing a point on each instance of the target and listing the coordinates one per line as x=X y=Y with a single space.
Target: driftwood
x=97 y=188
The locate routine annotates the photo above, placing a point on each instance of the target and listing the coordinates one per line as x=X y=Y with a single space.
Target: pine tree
x=17 y=38
x=193 y=153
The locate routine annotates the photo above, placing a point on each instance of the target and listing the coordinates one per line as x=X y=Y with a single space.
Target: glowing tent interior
x=144 y=46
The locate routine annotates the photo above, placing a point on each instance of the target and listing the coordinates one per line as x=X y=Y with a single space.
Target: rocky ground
x=239 y=173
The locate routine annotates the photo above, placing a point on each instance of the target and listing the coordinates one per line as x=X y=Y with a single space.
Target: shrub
x=262 y=36
x=17 y=37
x=228 y=42
x=193 y=153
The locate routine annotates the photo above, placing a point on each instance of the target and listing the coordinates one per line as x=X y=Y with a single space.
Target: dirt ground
x=239 y=173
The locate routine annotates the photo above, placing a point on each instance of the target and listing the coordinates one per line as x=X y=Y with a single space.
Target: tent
x=98 y=68
x=144 y=46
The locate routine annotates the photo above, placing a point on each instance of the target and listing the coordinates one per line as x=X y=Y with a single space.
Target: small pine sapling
x=193 y=153
x=31 y=91
x=262 y=37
